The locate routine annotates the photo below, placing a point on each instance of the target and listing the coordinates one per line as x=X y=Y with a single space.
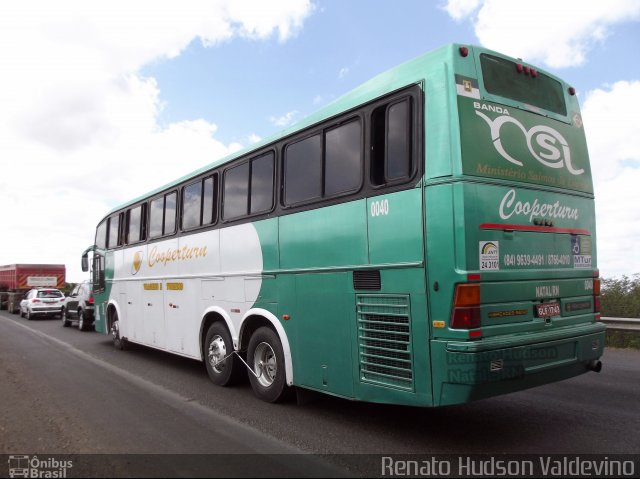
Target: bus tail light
x=465 y=318
x=90 y=300
x=466 y=309
x=35 y=300
x=464 y=51
x=596 y=304
x=467 y=295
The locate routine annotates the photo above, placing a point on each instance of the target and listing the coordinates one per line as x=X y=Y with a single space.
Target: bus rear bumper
x=479 y=369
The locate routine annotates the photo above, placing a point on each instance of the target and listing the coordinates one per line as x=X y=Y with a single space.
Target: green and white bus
x=427 y=239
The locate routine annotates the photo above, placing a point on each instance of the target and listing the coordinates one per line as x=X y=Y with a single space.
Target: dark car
x=78 y=306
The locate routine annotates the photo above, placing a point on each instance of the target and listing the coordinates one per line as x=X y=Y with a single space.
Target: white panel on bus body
x=212 y=289
x=168 y=286
x=118 y=265
x=234 y=290
x=240 y=250
x=252 y=287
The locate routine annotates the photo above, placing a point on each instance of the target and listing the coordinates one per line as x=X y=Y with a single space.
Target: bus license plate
x=546 y=310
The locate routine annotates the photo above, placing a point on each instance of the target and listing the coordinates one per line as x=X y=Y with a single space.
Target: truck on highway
x=17 y=279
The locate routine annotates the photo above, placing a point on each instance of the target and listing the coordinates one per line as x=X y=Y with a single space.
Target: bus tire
x=217 y=347
x=266 y=357
x=118 y=341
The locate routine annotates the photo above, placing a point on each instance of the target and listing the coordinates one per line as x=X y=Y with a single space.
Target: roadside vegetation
x=68 y=287
x=620 y=297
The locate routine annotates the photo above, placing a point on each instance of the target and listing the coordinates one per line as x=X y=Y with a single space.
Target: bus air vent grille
x=369 y=280
x=384 y=340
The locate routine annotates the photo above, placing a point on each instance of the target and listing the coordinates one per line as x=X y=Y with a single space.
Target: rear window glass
x=502 y=78
x=49 y=294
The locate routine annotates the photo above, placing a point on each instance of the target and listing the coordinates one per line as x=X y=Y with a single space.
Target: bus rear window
x=502 y=78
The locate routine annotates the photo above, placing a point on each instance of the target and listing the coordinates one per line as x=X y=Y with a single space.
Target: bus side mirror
x=85 y=262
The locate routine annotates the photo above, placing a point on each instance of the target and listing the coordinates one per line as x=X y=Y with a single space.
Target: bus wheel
x=265 y=355
x=222 y=369
x=118 y=342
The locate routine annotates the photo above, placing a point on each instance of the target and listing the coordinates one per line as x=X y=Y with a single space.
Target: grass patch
x=622 y=339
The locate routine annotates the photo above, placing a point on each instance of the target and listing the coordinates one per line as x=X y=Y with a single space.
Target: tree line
x=620 y=297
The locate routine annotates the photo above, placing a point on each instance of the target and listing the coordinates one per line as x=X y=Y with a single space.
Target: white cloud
x=613 y=135
x=284 y=120
x=459 y=9
x=613 y=129
x=258 y=19
x=78 y=124
x=343 y=72
x=559 y=34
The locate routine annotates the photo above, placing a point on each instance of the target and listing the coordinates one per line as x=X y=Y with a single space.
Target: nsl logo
x=545 y=144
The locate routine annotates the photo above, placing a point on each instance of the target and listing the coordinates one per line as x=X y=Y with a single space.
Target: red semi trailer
x=17 y=279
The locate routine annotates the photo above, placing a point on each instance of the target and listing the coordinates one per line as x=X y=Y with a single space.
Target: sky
x=103 y=101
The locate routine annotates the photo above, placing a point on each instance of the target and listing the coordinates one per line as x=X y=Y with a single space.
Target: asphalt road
x=63 y=391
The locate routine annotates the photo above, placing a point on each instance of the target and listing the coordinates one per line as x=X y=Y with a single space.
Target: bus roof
x=393 y=79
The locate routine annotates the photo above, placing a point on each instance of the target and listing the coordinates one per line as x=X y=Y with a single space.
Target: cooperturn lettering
x=181 y=254
x=510 y=207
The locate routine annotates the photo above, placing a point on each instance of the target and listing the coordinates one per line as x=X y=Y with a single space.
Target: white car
x=42 y=302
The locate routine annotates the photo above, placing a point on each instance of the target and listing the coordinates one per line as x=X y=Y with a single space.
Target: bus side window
x=136 y=224
x=101 y=235
x=248 y=187
x=343 y=158
x=199 y=205
x=114 y=239
x=170 y=213
x=156 y=216
x=261 y=198
x=391 y=143
x=236 y=191
x=303 y=170
x=210 y=200
x=191 y=205
x=162 y=215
